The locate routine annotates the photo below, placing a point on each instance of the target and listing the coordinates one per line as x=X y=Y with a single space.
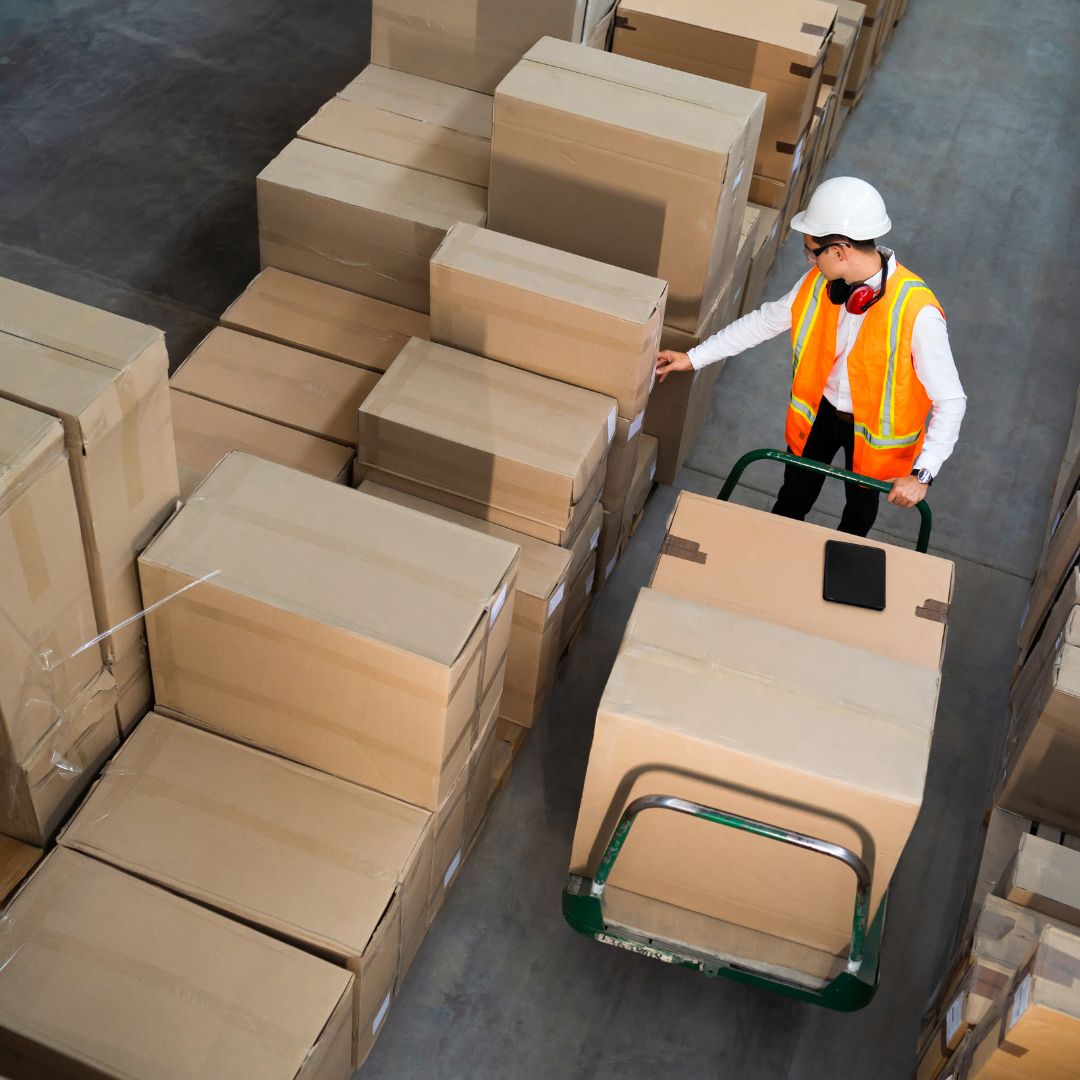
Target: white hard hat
x=846 y=206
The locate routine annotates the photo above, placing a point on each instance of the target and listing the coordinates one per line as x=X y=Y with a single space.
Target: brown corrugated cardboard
x=323 y=319
x=840 y=118
x=585 y=541
x=1068 y=478
x=1062 y=626
x=325 y=628
x=467 y=42
x=1036 y=1034
x=134 y=688
x=771 y=568
x=841 y=53
x=539 y=596
x=644 y=475
x=206 y=431
x=607 y=553
x=862 y=64
x=778 y=49
x=1040 y=780
x=106 y=379
x=586 y=142
x=46 y=606
x=678 y=408
x=766 y=243
x=486 y=432
x=1058 y=560
x=108 y=976
x=288 y=386
x=408 y=120
x=329 y=866
x=549 y=312
x=353 y=221
x=764 y=721
x=320 y=318
x=16 y=861
x=578 y=599
x=1045 y=877
x=622 y=457
x=37 y=792
x=487 y=770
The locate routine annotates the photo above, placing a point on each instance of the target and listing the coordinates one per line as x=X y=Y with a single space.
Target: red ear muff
x=861 y=299
x=858 y=299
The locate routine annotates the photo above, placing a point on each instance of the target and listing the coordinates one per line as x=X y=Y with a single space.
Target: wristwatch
x=924 y=476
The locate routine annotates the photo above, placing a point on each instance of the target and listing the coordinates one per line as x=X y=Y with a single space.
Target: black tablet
x=854 y=574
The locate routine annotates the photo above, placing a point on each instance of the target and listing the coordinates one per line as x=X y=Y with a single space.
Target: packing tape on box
x=846 y=20
x=934 y=610
x=814 y=30
x=679 y=548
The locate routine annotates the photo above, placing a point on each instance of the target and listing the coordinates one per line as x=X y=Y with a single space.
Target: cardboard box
x=764 y=721
x=840 y=118
x=105 y=378
x=1062 y=627
x=16 y=861
x=320 y=318
x=1040 y=778
x=1058 y=560
x=607 y=553
x=319 y=627
x=862 y=65
x=1045 y=877
x=134 y=688
x=779 y=49
x=1068 y=478
x=333 y=868
x=37 y=792
x=644 y=477
x=766 y=244
x=622 y=459
x=678 y=408
x=549 y=312
x=297 y=389
x=578 y=598
x=841 y=52
x=467 y=42
x=770 y=568
x=408 y=120
x=46 y=606
x=630 y=164
x=105 y=974
x=206 y=431
x=353 y=221
x=1036 y=1035
x=539 y=602
x=526 y=452
x=489 y=769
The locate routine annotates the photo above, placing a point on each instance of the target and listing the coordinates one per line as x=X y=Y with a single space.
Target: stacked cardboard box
x=411 y=121
x=105 y=379
x=474 y=44
x=779 y=49
x=559 y=315
x=732 y=631
x=640 y=486
x=766 y=245
x=866 y=51
x=840 y=63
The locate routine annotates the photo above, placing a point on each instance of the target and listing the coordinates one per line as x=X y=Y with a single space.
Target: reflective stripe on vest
x=806 y=323
x=888 y=398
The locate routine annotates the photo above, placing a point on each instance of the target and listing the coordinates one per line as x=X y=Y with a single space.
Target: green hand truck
x=852 y=988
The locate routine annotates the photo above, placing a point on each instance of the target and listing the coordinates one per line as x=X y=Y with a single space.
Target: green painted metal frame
x=850 y=990
x=768 y=454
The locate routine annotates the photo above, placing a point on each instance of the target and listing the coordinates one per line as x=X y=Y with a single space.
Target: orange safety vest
x=888 y=402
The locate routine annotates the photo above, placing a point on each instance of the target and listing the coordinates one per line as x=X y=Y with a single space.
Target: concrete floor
x=132 y=133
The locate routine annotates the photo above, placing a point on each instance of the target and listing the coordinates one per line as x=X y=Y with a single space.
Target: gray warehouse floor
x=132 y=132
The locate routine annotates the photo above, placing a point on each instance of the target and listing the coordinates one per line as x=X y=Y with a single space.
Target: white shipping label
x=380 y=1016
x=589 y=582
x=498 y=605
x=556 y=599
x=954 y=1017
x=1021 y=1000
x=738 y=179
x=611 y=426
x=595 y=540
x=451 y=870
x=635 y=425
x=796 y=161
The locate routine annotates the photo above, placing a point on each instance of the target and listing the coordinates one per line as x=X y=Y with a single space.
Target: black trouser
x=799 y=492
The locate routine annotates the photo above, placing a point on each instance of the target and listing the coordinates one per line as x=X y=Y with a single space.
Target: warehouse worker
x=871 y=359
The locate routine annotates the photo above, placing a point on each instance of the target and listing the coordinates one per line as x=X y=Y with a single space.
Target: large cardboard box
x=332 y=628
x=1058 y=560
x=1040 y=776
x=1062 y=627
x=134 y=688
x=622 y=458
x=539 y=602
x=578 y=598
x=206 y=431
x=16 y=861
x=771 y=568
x=644 y=475
x=468 y=43
x=366 y=225
x=609 y=548
x=320 y=318
x=840 y=63
x=778 y=48
x=761 y=720
x=288 y=386
x=1036 y=1033
x=411 y=121
x=108 y=976
x=549 y=312
x=37 y=792
x=766 y=244
x=46 y=606
x=627 y=163
x=678 y=408
x=106 y=378
x=526 y=452
x=866 y=47
x=331 y=867
x=1045 y=877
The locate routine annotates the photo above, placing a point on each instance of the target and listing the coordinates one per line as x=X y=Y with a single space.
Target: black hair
x=865 y=246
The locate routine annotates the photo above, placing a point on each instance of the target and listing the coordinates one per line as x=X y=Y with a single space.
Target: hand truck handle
x=768 y=454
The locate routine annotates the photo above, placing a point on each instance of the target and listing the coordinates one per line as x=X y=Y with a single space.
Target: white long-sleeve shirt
x=934 y=364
